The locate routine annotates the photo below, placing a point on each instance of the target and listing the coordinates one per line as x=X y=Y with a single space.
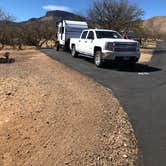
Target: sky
x=26 y=9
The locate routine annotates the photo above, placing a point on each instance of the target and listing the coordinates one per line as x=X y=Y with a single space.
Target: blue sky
x=25 y=9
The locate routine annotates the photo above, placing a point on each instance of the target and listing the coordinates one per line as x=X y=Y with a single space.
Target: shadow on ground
x=4 y=60
x=133 y=69
x=126 y=67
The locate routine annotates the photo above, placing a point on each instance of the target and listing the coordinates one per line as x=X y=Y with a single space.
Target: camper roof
x=82 y=23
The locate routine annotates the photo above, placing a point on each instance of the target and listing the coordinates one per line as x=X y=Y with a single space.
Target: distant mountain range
x=56 y=15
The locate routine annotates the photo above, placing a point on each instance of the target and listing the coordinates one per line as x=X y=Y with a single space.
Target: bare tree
x=6 y=31
x=6 y=16
x=119 y=15
x=38 y=33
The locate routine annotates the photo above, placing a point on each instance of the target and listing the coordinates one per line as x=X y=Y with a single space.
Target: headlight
x=109 y=46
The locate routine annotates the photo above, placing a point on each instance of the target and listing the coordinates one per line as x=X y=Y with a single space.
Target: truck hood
x=118 y=40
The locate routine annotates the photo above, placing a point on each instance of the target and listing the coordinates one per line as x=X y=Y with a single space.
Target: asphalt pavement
x=141 y=91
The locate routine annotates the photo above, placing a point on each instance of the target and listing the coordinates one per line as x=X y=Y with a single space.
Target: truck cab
x=67 y=29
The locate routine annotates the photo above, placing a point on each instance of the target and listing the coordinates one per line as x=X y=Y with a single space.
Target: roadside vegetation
x=31 y=33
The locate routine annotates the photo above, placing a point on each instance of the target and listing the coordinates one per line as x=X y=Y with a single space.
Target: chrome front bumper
x=112 y=55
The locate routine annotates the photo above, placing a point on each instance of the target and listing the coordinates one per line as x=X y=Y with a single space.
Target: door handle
x=85 y=41
x=79 y=40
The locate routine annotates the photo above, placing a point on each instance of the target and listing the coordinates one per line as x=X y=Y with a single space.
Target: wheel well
x=72 y=45
x=97 y=49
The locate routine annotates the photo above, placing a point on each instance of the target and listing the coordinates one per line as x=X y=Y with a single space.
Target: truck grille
x=125 y=47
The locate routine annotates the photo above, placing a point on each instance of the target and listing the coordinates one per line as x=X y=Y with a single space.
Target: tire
x=98 y=60
x=57 y=46
x=74 y=53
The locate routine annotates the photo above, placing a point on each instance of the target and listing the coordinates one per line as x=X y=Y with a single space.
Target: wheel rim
x=97 y=59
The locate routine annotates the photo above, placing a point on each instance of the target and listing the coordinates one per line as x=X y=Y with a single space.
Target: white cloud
x=54 y=7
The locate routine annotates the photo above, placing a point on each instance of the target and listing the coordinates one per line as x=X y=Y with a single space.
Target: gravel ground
x=52 y=115
x=146 y=55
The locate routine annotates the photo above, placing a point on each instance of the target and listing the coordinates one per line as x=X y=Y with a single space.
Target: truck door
x=89 y=43
x=82 y=42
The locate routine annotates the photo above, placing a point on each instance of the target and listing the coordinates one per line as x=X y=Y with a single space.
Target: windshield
x=108 y=34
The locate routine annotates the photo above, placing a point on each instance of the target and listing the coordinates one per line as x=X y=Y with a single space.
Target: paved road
x=142 y=93
x=161 y=46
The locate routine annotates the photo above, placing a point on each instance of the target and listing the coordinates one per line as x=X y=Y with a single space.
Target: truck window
x=91 y=35
x=108 y=34
x=84 y=35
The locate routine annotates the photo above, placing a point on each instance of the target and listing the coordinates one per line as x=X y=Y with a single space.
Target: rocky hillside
x=156 y=24
x=56 y=15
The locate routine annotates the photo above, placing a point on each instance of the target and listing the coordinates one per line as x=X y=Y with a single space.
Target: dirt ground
x=146 y=55
x=51 y=115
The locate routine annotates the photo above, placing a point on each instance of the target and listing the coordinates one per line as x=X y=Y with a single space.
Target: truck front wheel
x=98 y=60
x=74 y=53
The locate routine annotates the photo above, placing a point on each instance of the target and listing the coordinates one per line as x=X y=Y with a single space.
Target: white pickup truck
x=103 y=45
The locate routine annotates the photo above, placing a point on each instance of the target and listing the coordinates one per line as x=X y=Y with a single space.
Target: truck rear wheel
x=98 y=60
x=57 y=46
x=74 y=53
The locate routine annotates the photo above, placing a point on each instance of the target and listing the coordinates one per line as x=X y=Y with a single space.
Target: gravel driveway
x=52 y=115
